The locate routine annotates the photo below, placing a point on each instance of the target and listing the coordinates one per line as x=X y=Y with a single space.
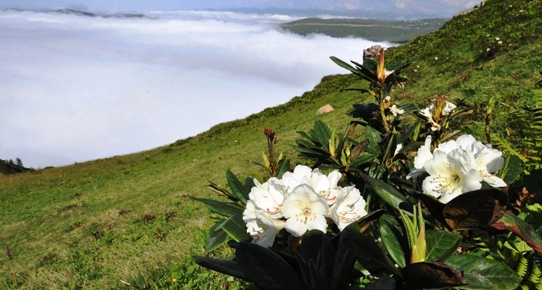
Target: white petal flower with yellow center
x=304 y=210
x=450 y=175
x=350 y=207
x=260 y=226
x=268 y=196
x=488 y=160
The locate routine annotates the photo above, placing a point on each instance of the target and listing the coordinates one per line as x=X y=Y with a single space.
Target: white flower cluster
x=429 y=111
x=456 y=167
x=300 y=201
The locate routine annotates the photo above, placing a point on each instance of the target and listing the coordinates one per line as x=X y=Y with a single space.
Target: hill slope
x=104 y=223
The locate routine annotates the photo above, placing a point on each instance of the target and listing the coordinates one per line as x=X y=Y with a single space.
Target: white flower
x=448 y=108
x=424 y=155
x=457 y=166
x=398 y=149
x=268 y=196
x=326 y=186
x=322 y=184
x=387 y=99
x=301 y=175
x=451 y=174
x=428 y=113
x=488 y=160
x=305 y=210
x=396 y=111
x=350 y=207
x=260 y=226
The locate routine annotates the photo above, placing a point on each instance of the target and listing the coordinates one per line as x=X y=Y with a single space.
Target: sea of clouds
x=76 y=88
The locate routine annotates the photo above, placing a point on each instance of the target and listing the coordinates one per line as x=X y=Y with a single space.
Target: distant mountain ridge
x=370 y=29
x=358 y=13
x=84 y=13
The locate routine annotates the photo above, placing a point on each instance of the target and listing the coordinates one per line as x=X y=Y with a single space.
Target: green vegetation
x=371 y=29
x=11 y=167
x=127 y=221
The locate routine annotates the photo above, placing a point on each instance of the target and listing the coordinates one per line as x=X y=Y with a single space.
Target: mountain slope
x=104 y=223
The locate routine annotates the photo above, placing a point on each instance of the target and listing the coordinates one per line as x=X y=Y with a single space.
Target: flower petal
x=424 y=155
x=304 y=210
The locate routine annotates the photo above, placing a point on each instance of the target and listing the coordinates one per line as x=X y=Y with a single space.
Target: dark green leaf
x=322 y=133
x=304 y=135
x=249 y=184
x=317 y=257
x=384 y=282
x=367 y=71
x=482 y=273
x=513 y=167
x=215 y=237
x=311 y=152
x=222 y=191
x=224 y=266
x=367 y=251
x=413 y=132
x=441 y=245
x=521 y=228
x=220 y=207
x=391 y=238
x=368 y=219
x=435 y=207
x=409 y=108
x=236 y=228
x=365 y=158
x=344 y=65
x=398 y=66
x=432 y=275
x=411 y=146
x=266 y=268
x=475 y=208
x=343 y=264
x=284 y=167
x=374 y=139
x=388 y=193
x=237 y=187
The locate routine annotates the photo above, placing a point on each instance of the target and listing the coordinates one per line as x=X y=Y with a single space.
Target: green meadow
x=127 y=222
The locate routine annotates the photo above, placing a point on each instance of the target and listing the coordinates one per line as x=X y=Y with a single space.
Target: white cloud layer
x=80 y=88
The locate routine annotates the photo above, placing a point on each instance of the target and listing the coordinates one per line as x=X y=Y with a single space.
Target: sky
x=76 y=88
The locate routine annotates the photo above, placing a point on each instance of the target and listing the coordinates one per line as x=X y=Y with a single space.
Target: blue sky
x=438 y=7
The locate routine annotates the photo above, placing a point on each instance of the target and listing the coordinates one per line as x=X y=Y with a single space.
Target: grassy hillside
x=111 y=222
x=371 y=29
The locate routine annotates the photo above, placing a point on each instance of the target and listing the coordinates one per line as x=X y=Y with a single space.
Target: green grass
x=107 y=223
